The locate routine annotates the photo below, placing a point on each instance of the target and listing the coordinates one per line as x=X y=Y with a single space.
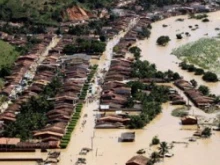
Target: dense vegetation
x=32 y=114
x=151 y=103
x=143 y=69
x=47 y=12
x=85 y=46
x=204 y=53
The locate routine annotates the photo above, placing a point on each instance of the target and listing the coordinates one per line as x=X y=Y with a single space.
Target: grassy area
x=204 y=53
x=180 y=112
x=7 y=54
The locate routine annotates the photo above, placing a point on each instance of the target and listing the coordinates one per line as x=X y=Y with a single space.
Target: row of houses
x=119 y=25
x=179 y=9
x=44 y=75
x=75 y=71
x=194 y=95
x=58 y=118
x=115 y=93
x=131 y=37
x=23 y=67
x=120 y=69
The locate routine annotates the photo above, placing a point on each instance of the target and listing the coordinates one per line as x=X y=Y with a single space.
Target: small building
x=104 y=107
x=189 y=120
x=137 y=160
x=127 y=137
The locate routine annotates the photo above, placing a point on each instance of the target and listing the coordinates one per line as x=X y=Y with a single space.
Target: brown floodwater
x=162 y=57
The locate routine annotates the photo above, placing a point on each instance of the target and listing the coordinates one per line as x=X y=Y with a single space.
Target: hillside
x=44 y=11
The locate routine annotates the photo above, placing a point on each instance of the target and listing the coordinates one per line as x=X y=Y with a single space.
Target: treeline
x=206 y=76
x=32 y=114
x=25 y=29
x=95 y=26
x=85 y=46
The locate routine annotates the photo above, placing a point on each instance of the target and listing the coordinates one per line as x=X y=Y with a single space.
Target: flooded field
x=162 y=57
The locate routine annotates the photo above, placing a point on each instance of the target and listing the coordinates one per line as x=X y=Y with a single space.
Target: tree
x=163 y=40
x=144 y=33
x=155 y=157
x=207 y=132
x=204 y=89
x=129 y=103
x=199 y=71
x=210 y=77
x=179 y=36
x=194 y=83
x=163 y=148
x=136 y=122
x=136 y=51
x=191 y=68
x=155 y=140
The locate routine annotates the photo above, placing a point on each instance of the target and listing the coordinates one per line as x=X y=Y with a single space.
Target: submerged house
x=127 y=137
x=137 y=160
x=189 y=120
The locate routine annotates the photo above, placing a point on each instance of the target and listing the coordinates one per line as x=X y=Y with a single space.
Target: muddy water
x=161 y=55
x=36 y=154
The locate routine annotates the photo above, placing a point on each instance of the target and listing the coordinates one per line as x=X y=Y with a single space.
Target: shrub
x=205 y=20
x=204 y=89
x=191 y=68
x=199 y=71
x=179 y=36
x=155 y=140
x=163 y=40
x=207 y=132
x=210 y=77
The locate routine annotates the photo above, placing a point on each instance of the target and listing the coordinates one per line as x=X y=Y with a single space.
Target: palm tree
x=155 y=157
x=163 y=148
